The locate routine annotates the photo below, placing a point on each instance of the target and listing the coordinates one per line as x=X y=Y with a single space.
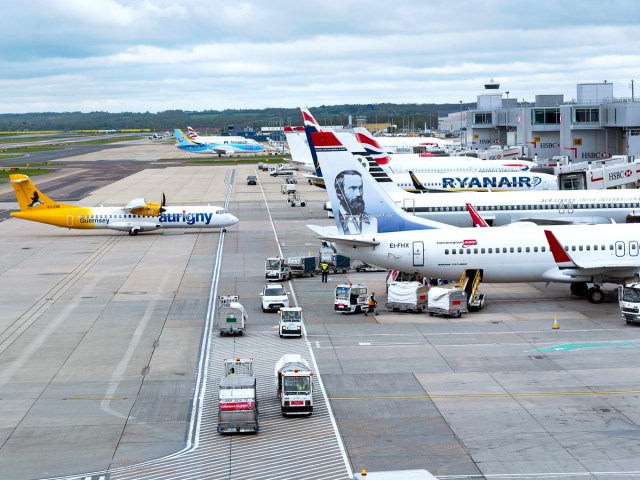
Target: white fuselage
x=116 y=218
x=505 y=255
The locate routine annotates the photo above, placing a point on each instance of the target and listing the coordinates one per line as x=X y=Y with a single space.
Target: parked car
x=274 y=297
x=252 y=180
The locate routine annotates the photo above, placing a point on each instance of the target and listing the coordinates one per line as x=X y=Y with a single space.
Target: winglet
x=477 y=219
x=417 y=184
x=560 y=256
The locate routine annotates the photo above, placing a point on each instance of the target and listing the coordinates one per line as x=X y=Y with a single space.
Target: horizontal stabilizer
x=329 y=235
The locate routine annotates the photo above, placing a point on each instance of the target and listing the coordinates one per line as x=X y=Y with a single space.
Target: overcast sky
x=155 y=55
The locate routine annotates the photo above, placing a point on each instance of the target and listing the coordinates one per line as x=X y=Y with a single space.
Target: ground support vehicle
x=237 y=398
x=350 y=298
x=290 y=323
x=276 y=268
x=302 y=266
x=287 y=188
x=629 y=301
x=294 y=385
x=335 y=261
x=281 y=171
x=232 y=317
x=450 y=301
x=252 y=180
x=407 y=296
x=274 y=297
x=295 y=200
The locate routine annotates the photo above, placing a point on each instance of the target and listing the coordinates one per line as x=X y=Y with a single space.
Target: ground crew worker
x=372 y=305
x=324 y=269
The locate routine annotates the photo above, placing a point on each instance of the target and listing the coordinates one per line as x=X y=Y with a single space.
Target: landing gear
x=134 y=231
x=579 y=289
x=595 y=295
x=224 y=230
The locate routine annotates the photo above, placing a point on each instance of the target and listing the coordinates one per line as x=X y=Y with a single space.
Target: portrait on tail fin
x=352 y=215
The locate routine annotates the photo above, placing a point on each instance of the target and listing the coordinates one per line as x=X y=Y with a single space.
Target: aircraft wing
x=585 y=220
x=329 y=235
x=567 y=265
x=316 y=180
x=139 y=206
x=135 y=203
x=220 y=150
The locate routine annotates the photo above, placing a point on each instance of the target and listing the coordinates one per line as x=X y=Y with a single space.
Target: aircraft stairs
x=470 y=282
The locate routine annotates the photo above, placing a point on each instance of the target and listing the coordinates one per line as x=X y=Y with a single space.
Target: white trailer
x=407 y=296
x=237 y=398
x=232 y=316
x=294 y=385
x=447 y=301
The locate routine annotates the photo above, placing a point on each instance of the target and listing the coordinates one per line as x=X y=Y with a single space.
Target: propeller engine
x=147 y=209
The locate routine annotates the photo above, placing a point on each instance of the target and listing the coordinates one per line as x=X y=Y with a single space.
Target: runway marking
x=96 y=399
x=118 y=373
x=489 y=395
x=570 y=347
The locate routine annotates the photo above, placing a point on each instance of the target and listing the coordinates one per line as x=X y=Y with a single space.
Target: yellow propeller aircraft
x=137 y=216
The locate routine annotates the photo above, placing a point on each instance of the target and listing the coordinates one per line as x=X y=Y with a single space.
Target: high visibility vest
x=324 y=267
x=372 y=302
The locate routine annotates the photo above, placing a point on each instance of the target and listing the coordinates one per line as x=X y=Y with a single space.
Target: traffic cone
x=555 y=322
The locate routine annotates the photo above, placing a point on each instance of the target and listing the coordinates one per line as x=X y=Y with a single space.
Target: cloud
x=154 y=55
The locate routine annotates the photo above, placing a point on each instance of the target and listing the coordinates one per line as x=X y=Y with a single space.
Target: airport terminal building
x=595 y=126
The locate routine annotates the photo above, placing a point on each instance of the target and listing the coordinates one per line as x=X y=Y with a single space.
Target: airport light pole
x=460 y=130
x=506 y=123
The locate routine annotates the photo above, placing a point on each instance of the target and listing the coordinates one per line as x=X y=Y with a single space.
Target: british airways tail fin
x=311 y=125
x=192 y=133
x=371 y=146
x=359 y=204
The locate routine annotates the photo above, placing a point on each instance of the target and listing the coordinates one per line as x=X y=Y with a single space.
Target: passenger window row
x=548 y=206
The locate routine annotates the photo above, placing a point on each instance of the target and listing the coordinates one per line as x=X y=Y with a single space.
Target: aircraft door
x=633 y=248
x=69 y=220
x=619 y=248
x=418 y=254
x=409 y=205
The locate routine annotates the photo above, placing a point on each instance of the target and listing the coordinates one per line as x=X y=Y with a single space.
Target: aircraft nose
x=232 y=219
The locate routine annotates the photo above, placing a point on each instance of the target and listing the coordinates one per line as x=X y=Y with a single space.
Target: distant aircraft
x=224 y=147
x=579 y=255
x=435 y=174
x=137 y=216
x=405 y=145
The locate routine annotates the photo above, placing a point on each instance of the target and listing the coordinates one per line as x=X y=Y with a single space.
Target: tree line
x=411 y=116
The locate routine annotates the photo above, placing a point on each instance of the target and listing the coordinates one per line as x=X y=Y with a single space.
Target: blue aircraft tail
x=359 y=204
x=181 y=138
